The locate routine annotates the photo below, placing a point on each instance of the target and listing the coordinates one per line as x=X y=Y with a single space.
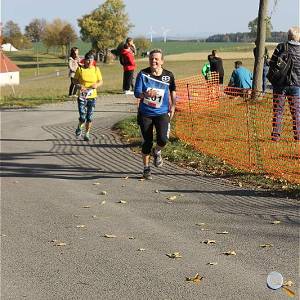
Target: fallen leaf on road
x=96 y=183
x=200 y=224
x=204 y=229
x=288 y=283
x=141 y=249
x=86 y=206
x=142 y=179
x=103 y=193
x=110 y=236
x=289 y=292
x=122 y=202
x=80 y=226
x=94 y=216
x=174 y=255
x=223 y=232
x=229 y=253
x=171 y=198
x=197 y=278
x=126 y=177
x=131 y=237
x=103 y=202
x=58 y=243
x=266 y=245
x=212 y=263
x=276 y=222
x=156 y=191
x=209 y=242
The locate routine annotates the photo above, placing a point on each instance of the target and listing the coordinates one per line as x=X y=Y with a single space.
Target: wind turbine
x=151 y=32
x=165 y=31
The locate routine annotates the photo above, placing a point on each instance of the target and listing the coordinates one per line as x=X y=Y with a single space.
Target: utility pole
x=260 y=50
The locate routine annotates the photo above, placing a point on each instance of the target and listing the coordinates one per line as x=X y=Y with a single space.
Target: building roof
x=6 y=65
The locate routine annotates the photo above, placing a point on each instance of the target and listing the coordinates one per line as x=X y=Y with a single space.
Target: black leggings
x=128 y=80
x=162 y=127
x=72 y=88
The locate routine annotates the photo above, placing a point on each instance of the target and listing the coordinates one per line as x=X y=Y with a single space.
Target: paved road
x=48 y=177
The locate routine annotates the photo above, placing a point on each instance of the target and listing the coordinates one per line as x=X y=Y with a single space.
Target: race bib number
x=86 y=93
x=156 y=101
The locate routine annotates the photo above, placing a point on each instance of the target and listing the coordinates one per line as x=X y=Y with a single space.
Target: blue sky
x=185 y=18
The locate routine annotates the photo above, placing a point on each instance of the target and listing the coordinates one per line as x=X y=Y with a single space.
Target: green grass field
x=44 y=76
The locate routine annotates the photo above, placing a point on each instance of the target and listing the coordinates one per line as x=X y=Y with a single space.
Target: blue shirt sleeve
x=138 y=88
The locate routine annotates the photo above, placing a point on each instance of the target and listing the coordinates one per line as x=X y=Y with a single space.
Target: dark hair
x=238 y=63
x=73 y=52
x=128 y=40
x=93 y=52
x=156 y=51
x=89 y=56
x=214 y=52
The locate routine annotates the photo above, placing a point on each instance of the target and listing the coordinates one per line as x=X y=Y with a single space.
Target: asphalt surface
x=52 y=183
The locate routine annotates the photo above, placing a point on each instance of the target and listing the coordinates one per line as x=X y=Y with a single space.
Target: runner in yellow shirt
x=88 y=79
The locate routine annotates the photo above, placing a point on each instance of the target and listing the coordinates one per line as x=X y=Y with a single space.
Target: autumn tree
x=142 y=44
x=106 y=26
x=35 y=29
x=252 y=25
x=60 y=34
x=12 y=34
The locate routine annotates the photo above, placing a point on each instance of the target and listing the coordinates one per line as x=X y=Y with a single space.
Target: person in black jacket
x=265 y=66
x=216 y=65
x=290 y=89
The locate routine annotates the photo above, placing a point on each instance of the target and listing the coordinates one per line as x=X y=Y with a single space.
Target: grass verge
x=184 y=155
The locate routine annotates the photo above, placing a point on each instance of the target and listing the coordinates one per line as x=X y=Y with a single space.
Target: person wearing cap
x=88 y=78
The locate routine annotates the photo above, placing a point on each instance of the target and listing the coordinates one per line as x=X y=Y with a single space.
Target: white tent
x=8 y=47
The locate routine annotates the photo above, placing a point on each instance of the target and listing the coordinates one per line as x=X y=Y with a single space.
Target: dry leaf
x=171 y=198
x=156 y=191
x=229 y=253
x=86 y=206
x=141 y=179
x=200 y=224
x=209 y=242
x=276 y=222
x=131 y=237
x=197 y=278
x=289 y=292
x=110 y=236
x=288 y=283
x=204 y=229
x=76 y=216
x=240 y=184
x=122 y=202
x=174 y=255
x=60 y=244
x=223 y=232
x=94 y=216
x=103 y=193
x=80 y=226
x=266 y=245
x=141 y=249
x=103 y=202
x=212 y=263
x=126 y=177
x=96 y=183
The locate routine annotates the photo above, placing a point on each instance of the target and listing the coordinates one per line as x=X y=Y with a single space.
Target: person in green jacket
x=206 y=70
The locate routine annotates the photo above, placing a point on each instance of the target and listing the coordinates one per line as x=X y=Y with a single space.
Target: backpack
x=121 y=60
x=280 y=72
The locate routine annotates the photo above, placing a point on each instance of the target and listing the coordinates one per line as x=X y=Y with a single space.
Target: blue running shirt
x=162 y=84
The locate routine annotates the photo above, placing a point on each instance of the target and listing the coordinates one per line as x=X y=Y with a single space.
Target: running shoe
x=157 y=159
x=78 y=131
x=86 y=136
x=147 y=173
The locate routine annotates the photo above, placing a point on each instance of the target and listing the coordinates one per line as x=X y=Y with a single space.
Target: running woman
x=88 y=79
x=156 y=89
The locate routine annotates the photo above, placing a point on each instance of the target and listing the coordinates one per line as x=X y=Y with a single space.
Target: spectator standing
x=88 y=79
x=128 y=62
x=290 y=88
x=156 y=89
x=73 y=63
x=265 y=66
x=206 y=70
x=216 y=65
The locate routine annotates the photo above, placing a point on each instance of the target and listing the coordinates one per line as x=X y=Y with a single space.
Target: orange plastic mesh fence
x=223 y=122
